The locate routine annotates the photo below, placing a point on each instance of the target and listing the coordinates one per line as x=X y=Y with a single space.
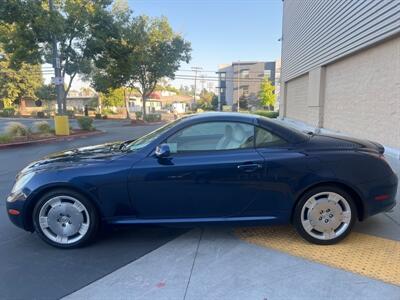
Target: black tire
x=92 y=214
x=297 y=218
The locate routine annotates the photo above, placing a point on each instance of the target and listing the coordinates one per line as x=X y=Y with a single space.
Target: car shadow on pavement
x=38 y=270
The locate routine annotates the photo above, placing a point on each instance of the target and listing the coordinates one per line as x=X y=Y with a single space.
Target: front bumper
x=17 y=202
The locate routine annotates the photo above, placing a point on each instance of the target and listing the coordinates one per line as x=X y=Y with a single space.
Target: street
x=30 y=267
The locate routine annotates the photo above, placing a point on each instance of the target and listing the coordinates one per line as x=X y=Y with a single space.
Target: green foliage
x=214 y=102
x=146 y=51
x=18 y=83
x=267 y=113
x=27 y=28
x=113 y=98
x=267 y=93
x=46 y=92
x=139 y=115
x=168 y=88
x=71 y=113
x=186 y=91
x=108 y=111
x=41 y=114
x=7 y=112
x=5 y=138
x=42 y=127
x=243 y=103
x=16 y=129
x=153 y=118
x=85 y=123
x=205 y=101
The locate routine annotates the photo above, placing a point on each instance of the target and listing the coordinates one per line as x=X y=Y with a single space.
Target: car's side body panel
x=138 y=187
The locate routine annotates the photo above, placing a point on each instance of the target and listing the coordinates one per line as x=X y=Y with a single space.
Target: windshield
x=148 y=138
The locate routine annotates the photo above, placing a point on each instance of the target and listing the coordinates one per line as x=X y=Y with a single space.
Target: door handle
x=249 y=167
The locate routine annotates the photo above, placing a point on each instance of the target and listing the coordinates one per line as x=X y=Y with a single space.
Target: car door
x=213 y=171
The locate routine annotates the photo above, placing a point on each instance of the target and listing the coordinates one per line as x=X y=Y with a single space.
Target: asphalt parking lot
x=31 y=268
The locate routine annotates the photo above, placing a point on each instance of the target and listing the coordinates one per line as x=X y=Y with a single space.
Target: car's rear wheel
x=325 y=215
x=65 y=219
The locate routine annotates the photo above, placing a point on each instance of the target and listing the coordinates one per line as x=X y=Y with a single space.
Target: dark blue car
x=212 y=167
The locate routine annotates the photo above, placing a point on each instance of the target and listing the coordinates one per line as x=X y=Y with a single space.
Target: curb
x=52 y=139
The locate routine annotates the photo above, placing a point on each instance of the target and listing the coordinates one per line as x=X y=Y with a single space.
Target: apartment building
x=241 y=80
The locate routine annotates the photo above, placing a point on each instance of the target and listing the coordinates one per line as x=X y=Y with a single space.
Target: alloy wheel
x=64 y=219
x=326 y=215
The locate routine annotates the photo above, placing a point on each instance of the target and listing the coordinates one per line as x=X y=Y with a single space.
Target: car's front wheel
x=65 y=219
x=325 y=215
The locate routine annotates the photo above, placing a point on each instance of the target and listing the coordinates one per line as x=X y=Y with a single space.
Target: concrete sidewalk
x=214 y=264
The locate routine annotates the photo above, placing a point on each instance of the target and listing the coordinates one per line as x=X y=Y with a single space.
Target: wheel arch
x=346 y=187
x=30 y=206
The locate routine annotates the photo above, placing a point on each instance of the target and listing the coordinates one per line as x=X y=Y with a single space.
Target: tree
x=113 y=98
x=79 y=25
x=16 y=84
x=267 y=93
x=214 y=103
x=205 y=101
x=147 y=51
x=46 y=92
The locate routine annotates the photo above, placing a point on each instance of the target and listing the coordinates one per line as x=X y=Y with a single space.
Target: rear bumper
x=379 y=196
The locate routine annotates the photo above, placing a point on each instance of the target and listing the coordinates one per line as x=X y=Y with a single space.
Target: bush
x=42 y=126
x=7 y=112
x=5 y=138
x=105 y=117
x=85 y=123
x=15 y=129
x=41 y=114
x=70 y=113
x=138 y=115
x=153 y=118
x=266 y=113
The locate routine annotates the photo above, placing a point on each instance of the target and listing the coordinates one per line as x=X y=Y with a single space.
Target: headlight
x=21 y=182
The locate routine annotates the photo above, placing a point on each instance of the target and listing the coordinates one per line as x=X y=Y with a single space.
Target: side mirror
x=163 y=151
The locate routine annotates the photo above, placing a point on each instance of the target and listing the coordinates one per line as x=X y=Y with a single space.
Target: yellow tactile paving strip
x=359 y=253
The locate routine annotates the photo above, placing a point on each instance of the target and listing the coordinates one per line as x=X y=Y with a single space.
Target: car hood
x=78 y=156
x=337 y=142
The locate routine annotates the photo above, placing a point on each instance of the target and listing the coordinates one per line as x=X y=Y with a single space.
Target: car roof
x=234 y=116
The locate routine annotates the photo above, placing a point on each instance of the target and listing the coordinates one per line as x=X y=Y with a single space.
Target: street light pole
x=58 y=81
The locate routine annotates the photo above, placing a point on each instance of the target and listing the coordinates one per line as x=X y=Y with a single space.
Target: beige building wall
x=362 y=94
x=296 y=98
x=358 y=95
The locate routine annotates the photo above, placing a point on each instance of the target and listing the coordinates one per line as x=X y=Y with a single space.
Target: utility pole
x=58 y=81
x=195 y=69
x=238 y=99
x=219 y=87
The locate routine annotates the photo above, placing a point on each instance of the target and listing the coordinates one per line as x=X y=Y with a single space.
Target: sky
x=220 y=31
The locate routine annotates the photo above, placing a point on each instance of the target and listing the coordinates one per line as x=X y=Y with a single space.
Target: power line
x=216 y=79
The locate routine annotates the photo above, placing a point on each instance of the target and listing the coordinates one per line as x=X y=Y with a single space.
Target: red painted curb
x=49 y=140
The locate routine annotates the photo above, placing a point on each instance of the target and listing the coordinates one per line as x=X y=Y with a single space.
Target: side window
x=212 y=136
x=265 y=139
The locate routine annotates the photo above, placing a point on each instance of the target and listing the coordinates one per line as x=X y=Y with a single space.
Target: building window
x=244 y=73
x=267 y=73
x=222 y=76
x=245 y=91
